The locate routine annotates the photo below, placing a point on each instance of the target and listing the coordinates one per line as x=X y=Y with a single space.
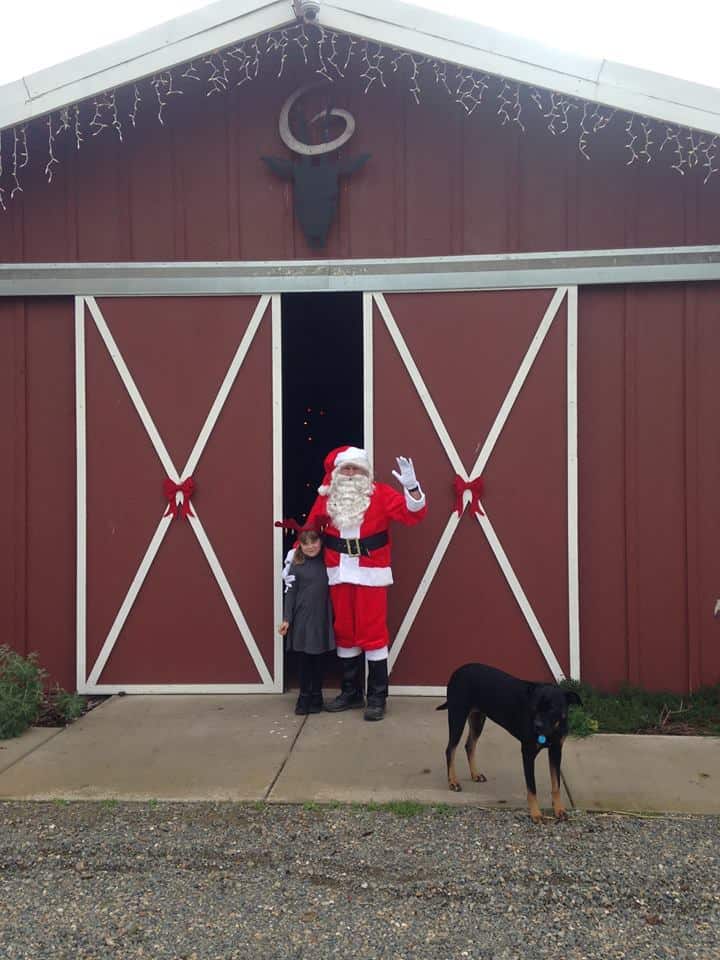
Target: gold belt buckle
x=349 y=543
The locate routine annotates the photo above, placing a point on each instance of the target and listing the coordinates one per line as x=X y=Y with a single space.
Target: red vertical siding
x=649 y=512
x=13 y=475
x=655 y=516
x=703 y=501
x=51 y=486
x=602 y=485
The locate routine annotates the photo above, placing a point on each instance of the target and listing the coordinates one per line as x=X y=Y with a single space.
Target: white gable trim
x=388 y=22
x=153 y=51
x=481 y=48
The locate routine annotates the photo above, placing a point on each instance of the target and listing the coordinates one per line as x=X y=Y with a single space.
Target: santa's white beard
x=348 y=500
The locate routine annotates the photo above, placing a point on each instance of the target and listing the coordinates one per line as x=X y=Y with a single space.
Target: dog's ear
x=572 y=697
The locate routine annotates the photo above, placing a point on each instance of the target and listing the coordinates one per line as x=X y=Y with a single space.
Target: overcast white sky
x=669 y=36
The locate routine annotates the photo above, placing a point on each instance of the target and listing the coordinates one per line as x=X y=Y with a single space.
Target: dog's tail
x=443 y=706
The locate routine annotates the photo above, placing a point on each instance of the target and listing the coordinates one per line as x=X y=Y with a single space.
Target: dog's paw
x=479 y=778
x=455 y=787
x=536 y=818
x=561 y=813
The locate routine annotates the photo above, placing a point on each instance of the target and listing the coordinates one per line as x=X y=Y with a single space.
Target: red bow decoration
x=318 y=524
x=475 y=487
x=178 y=497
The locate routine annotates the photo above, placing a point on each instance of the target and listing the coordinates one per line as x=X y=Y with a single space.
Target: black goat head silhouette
x=315 y=175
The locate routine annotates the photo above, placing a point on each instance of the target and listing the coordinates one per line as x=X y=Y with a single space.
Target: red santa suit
x=360 y=573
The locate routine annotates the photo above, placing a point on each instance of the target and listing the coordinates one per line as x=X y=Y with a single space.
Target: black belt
x=355 y=546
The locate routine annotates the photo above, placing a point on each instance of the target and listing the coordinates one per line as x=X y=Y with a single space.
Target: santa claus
x=357 y=557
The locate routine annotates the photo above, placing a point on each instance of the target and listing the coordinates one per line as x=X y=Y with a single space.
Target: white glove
x=406 y=474
x=288 y=578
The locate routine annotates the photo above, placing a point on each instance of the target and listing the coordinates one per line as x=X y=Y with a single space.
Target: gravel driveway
x=226 y=881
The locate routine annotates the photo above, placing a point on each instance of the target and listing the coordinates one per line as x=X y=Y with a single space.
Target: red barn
x=237 y=240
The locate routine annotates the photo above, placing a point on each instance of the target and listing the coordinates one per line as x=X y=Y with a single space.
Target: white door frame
x=89 y=681
x=561 y=294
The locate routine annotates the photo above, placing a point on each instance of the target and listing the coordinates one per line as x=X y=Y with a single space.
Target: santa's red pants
x=360 y=616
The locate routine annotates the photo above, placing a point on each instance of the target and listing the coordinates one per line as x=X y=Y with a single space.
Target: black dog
x=535 y=713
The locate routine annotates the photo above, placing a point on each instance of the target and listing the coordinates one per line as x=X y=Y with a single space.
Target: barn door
x=480 y=385
x=179 y=479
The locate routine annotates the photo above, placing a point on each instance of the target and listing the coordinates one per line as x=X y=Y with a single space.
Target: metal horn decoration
x=314 y=175
x=309 y=149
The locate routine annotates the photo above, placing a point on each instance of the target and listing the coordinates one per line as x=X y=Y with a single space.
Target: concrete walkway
x=255 y=748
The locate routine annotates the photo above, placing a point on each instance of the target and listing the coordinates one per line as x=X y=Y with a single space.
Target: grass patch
x=400 y=808
x=405 y=808
x=633 y=710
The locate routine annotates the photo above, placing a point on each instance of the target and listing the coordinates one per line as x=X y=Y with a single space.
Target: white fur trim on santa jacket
x=386 y=505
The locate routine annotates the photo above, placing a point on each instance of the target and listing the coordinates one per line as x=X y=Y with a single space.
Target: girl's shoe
x=302 y=707
x=316 y=703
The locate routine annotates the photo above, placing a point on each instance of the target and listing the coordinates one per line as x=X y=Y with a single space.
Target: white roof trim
x=385 y=21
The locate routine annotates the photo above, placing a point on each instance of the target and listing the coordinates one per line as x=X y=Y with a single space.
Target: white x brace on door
x=89 y=674
x=476 y=469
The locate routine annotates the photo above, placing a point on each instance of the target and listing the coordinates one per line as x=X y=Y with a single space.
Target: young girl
x=307 y=623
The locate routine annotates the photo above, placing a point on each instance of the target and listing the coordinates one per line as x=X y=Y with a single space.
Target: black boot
x=351 y=691
x=302 y=707
x=377 y=689
x=316 y=672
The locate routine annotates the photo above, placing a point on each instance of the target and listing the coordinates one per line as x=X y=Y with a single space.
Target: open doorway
x=322 y=388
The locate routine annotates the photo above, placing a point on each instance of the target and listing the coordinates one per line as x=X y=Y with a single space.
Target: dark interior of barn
x=322 y=388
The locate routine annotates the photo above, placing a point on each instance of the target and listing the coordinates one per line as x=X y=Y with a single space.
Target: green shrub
x=634 y=710
x=21 y=692
x=580 y=723
x=68 y=706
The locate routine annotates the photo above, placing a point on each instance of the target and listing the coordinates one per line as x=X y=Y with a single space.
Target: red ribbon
x=475 y=487
x=181 y=504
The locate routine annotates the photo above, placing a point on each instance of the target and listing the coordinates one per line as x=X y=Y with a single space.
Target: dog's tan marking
x=535 y=814
x=452 y=775
x=558 y=808
x=477 y=720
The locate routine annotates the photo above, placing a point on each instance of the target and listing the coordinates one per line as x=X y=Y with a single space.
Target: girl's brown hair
x=307 y=536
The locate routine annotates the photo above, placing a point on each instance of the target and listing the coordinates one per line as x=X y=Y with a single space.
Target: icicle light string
x=373 y=65
x=51 y=155
x=331 y=55
x=710 y=151
x=440 y=70
x=15 y=168
x=137 y=99
x=416 y=62
x=510 y=106
x=632 y=137
x=469 y=89
x=327 y=49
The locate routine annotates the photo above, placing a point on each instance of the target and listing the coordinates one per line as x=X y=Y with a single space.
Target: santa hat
x=341 y=457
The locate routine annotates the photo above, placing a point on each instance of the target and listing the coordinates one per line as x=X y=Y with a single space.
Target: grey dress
x=306 y=607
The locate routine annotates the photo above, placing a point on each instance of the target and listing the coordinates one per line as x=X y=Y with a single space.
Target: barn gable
x=479 y=143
